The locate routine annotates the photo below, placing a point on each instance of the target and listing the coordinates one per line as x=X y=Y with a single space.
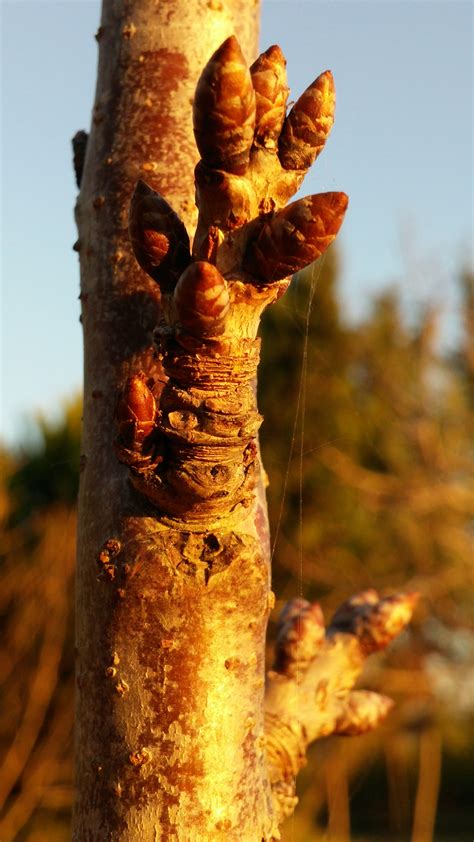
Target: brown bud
x=295 y=236
x=79 y=148
x=202 y=300
x=362 y=711
x=308 y=124
x=374 y=622
x=224 y=109
x=271 y=92
x=300 y=633
x=159 y=239
x=136 y=413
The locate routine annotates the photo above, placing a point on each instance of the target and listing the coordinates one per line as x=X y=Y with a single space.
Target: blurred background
x=366 y=385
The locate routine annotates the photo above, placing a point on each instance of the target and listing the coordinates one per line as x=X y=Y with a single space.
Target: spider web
x=298 y=430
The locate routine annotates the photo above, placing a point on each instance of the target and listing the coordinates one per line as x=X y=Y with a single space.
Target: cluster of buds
x=372 y=621
x=253 y=158
x=325 y=665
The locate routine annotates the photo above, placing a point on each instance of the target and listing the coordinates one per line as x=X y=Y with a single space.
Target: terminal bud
x=224 y=110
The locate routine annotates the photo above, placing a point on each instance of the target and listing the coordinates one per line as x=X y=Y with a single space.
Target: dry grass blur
x=36 y=672
x=388 y=502
x=38 y=538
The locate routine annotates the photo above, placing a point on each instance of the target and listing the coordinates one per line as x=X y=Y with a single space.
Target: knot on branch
x=195 y=457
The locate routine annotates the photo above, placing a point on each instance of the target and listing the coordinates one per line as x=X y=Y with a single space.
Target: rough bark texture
x=176 y=737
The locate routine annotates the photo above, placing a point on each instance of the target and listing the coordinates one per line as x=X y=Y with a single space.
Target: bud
x=271 y=92
x=79 y=148
x=201 y=298
x=308 y=124
x=295 y=236
x=159 y=239
x=362 y=711
x=291 y=609
x=224 y=110
x=375 y=622
x=136 y=413
x=300 y=632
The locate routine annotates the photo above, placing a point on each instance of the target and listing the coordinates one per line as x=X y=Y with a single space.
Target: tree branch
x=309 y=691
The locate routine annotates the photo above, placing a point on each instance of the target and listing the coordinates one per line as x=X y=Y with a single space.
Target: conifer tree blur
x=378 y=492
x=386 y=454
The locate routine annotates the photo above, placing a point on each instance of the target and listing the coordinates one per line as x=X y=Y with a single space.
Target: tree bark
x=177 y=737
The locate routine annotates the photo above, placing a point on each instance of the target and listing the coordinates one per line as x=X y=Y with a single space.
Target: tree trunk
x=170 y=667
x=173 y=582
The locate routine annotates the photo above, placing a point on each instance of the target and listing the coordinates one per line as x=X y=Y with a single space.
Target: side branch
x=309 y=691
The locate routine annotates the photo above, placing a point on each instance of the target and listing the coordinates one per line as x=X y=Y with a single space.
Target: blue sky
x=401 y=148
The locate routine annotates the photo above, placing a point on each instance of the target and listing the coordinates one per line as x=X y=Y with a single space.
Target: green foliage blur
x=367 y=444
x=47 y=470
